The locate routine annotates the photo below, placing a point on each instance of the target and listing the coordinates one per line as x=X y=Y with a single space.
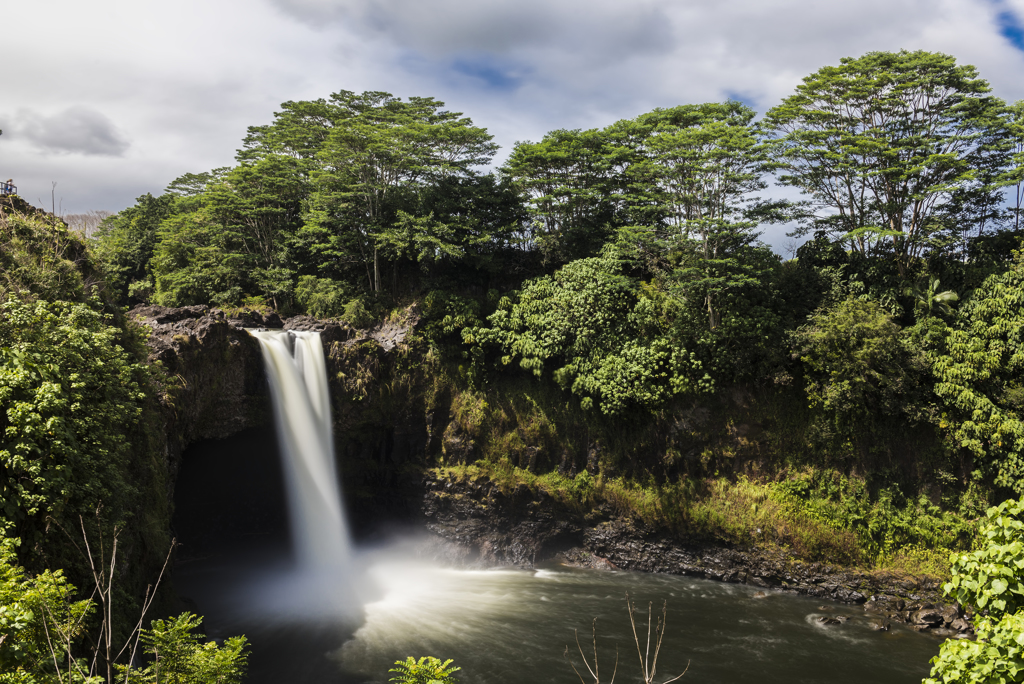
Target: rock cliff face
x=214 y=378
x=217 y=387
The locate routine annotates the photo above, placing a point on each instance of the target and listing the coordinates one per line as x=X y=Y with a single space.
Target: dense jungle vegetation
x=598 y=314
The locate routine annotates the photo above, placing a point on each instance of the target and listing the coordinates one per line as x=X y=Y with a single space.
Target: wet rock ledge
x=522 y=527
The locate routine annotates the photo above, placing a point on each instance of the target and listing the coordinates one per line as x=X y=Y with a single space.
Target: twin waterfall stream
x=318 y=610
x=302 y=411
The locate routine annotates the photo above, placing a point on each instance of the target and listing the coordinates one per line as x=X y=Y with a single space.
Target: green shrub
x=597 y=334
x=322 y=297
x=426 y=670
x=42 y=628
x=71 y=395
x=446 y=315
x=996 y=657
x=36 y=612
x=978 y=377
x=990 y=581
x=40 y=257
x=857 y=368
x=992 y=577
x=357 y=315
x=180 y=654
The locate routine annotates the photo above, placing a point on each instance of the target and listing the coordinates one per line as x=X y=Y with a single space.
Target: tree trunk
x=376 y=270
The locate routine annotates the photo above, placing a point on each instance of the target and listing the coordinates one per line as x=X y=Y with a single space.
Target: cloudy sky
x=112 y=99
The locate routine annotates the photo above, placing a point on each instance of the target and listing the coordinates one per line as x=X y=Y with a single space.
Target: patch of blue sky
x=1010 y=26
x=737 y=96
x=487 y=71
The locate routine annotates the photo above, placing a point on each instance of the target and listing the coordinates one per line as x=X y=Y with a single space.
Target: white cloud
x=183 y=80
x=605 y=29
x=74 y=130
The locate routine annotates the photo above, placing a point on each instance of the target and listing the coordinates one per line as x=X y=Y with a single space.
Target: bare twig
x=594 y=671
x=648 y=667
x=103 y=589
x=53 y=651
x=147 y=602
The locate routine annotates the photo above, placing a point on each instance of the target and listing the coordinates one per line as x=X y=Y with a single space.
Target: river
x=501 y=626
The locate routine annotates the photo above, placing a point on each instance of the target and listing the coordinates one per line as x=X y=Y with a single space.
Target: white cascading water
x=298 y=379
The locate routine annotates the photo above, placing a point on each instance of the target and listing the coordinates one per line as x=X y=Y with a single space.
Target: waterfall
x=302 y=409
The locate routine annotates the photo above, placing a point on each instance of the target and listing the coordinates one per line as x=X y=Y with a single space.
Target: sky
x=112 y=99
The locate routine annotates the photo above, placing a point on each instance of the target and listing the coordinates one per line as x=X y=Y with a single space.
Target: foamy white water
x=302 y=408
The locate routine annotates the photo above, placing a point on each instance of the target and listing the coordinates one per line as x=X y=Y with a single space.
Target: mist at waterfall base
x=335 y=614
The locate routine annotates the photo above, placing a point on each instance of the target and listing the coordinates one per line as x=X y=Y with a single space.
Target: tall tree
x=381 y=147
x=885 y=145
x=571 y=183
x=230 y=233
x=1015 y=118
x=704 y=163
x=125 y=242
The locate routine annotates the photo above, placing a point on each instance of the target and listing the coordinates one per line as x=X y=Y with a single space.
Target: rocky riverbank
x=523 y=527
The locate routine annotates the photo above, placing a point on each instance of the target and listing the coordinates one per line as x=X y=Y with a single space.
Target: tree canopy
x=892 y=149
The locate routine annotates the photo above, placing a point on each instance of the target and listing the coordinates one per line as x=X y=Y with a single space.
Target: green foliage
x=730 y=309
x=426 y=670
x=446 y=316
x=929 y=301
x=357 y=314
x=978 y=377
x=322 y=297
x=857 y=367
x=70 y=395
x=39 y=623
x=597 y=334
x=180 y=655
x=887 y=524
x=996 y=657
x=989 y=579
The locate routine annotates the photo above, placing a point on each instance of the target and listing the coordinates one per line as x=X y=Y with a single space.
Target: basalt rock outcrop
x=524 y=527
x=213 y=372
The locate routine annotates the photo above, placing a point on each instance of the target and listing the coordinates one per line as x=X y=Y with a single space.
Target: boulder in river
x=931 y=617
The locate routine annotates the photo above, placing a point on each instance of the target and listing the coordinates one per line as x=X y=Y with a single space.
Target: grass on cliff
x=915 y=538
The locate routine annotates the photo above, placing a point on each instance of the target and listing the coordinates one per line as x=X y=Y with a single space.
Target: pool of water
x=501 y=626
